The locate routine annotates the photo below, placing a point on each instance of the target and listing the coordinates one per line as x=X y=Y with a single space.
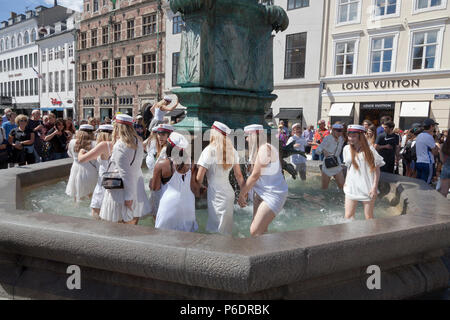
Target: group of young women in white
x=175 y=182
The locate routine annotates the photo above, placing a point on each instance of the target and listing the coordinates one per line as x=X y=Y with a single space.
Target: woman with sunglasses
x=22 y=141
x=331 y=148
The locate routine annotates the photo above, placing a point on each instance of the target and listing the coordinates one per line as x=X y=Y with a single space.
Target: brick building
x=120 y=57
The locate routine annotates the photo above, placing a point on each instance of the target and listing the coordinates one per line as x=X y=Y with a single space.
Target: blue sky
x=19 y=6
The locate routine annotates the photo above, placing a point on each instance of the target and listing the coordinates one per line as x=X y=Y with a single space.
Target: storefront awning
x=341 y=110
x=51 y=109
x=415 y=109
x=289 y=113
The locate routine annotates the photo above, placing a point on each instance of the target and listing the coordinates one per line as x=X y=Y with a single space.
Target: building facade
x=18 y=57
x=174 y=26
x=387 y=58
x=19 y=54
x=120 y=57
x=57 y=67
x=297 y=63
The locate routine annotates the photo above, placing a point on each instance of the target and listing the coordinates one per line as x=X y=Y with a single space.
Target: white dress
x=271 y=185
x=220 y=193
x=99 y=192
x=358 y=183
x=83 y=176
x=113 y=205
x=177 y=206
x=333 y=147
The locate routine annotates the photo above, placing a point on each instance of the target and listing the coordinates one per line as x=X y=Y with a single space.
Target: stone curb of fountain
x=239 y=266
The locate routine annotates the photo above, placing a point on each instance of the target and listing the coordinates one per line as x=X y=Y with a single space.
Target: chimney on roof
x=13 y=15
x=56 y=3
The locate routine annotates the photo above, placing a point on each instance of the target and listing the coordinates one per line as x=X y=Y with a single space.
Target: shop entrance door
x=374 y=111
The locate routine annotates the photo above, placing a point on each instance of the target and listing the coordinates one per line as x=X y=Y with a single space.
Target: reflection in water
x=307 y=206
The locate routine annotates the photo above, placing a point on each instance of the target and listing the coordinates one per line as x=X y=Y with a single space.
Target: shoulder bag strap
x=132 y=161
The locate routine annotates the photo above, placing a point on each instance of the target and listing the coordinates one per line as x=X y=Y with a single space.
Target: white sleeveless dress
x=97 y=196
x=220 y=193
x=83 y=176
x=177 y=206
x=271 y=185
x=158 y=119
x=113 y=206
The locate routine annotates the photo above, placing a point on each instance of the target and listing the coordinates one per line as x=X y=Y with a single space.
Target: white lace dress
x=83 y=176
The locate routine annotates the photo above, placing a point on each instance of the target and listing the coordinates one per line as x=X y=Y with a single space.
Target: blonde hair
x=21 y=117
x=223 y=148
x=368 y=155
x=83 y=140
x=103 y=136
x=125 y=133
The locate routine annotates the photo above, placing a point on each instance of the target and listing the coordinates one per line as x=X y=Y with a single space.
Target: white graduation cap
x=221 y=127
x=124 y=119
x=86 y=127
x=253 y=127
x=356 y=128
x=178 y=140
x=163 y=127
x=106 y=127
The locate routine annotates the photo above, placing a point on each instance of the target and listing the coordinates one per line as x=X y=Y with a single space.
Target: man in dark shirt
x=388 y=146
x=35 y=125
x=58 y=139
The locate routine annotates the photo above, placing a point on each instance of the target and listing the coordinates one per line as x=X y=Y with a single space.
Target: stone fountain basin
x=135 y=262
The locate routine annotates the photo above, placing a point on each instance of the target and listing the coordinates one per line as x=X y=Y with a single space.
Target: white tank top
x=159 y=114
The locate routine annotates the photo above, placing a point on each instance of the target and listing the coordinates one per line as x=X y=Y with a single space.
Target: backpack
x=409 y=151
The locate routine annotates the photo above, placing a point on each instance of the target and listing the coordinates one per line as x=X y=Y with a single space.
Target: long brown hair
x=372 y=140
x=84 y=140
x=223 y=147
x=368 y=155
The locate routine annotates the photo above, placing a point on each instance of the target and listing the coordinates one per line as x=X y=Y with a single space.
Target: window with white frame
x=425 y=45
x=345 y=57
x=385 y=8
x=44 y=55
x=381 y=55
x=348 y=11
x=70 y=50
x=50 y=54
x=425 y=5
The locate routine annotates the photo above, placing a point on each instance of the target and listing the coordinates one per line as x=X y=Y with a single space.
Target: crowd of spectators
x=27 y=140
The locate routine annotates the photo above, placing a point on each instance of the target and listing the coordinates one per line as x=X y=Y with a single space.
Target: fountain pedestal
x=226 y=61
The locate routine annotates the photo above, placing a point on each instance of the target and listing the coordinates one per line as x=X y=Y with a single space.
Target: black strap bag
x=332 y=161
x=112 y=179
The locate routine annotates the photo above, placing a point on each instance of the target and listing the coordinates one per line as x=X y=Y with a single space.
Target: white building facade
x=18 y=57
x=57 y=67
x=387 y=58
x=296 y=59
x=174 y=25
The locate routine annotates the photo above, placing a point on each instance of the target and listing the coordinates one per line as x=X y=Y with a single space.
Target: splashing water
x=307 y=206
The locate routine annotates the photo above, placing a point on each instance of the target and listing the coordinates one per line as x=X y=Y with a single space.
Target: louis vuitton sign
x=381 y=84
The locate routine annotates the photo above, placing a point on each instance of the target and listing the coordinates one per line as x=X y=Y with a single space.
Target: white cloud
x=72 y=4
